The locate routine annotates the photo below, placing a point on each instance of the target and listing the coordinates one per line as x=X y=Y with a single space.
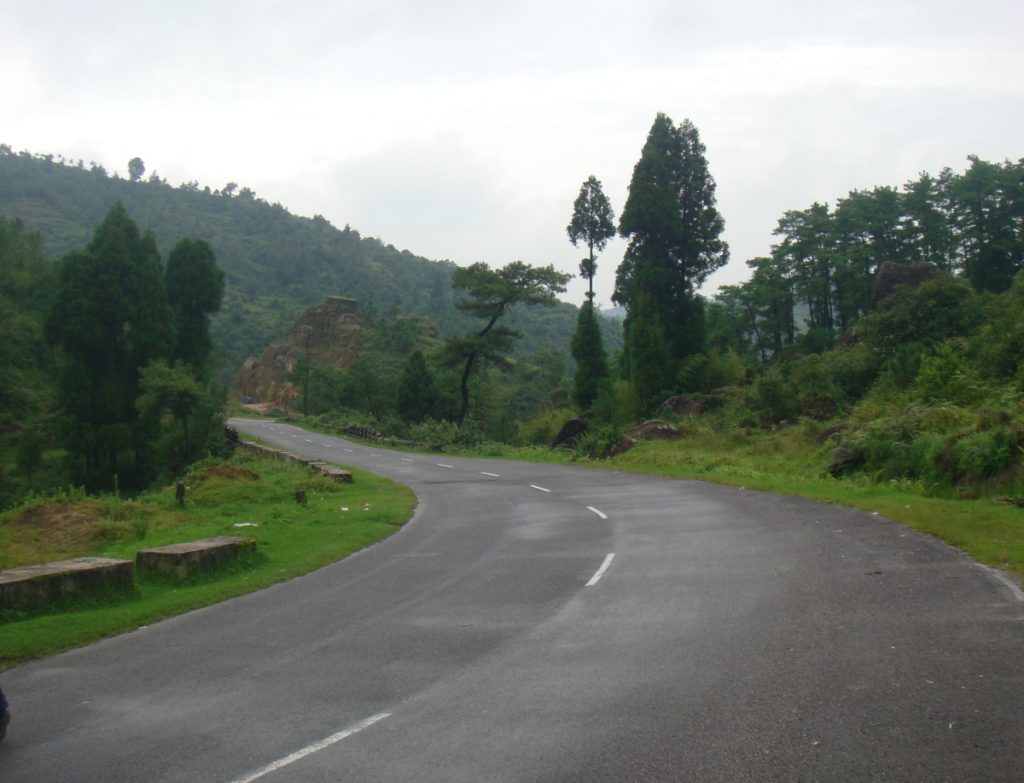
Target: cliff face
x=331 y=333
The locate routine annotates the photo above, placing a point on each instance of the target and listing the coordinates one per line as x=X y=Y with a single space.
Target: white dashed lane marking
x=311 y=749
x=600 y=571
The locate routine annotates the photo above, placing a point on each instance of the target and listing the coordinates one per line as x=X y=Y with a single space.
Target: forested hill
x=275 y=263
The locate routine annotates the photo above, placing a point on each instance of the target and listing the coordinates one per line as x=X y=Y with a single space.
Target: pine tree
x=491 y=292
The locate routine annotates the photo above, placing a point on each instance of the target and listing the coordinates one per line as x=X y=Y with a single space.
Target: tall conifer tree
x=593 y=224
x=674 y=231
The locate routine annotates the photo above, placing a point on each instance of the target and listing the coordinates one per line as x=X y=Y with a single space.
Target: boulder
x=569 y=434
x=845 y=459
x=653 y=430
x=684 y=405
x=622 y=446
x=890 y=275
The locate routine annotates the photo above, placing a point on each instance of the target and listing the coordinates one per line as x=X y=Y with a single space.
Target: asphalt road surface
x=552 y=623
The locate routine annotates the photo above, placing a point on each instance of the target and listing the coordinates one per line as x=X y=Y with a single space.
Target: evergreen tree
x=592 y=223
x=417 y=392
x=674 y=232
x=588 y=351
x=989 y=215
x=195 y=288
x=110 y=318
x=649 y=365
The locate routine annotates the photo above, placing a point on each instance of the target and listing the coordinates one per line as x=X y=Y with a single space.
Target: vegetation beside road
x=240 y=496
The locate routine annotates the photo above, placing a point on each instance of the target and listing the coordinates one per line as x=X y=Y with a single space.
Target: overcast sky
x=462 y=130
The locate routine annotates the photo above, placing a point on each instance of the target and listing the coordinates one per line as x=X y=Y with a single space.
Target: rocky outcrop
x=653 y=430
x=330 y=334
x=684 y=405
x=569 y=434
x=890 y=275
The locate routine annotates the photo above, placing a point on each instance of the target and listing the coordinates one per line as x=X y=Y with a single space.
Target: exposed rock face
x=331 y=332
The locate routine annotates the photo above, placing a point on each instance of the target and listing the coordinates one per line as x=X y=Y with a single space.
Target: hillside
x=276 y=264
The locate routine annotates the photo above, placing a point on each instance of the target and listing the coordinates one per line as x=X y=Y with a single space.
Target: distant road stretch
x=553 y=623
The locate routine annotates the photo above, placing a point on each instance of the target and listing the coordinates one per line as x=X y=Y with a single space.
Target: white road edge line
x=311 y=749
x=600 y=572
x=599 y=513
x=492 y=475
x=406 y=459
x=542 y=489
x=442 y=465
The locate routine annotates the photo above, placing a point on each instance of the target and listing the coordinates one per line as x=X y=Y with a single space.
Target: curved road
x=553 y=623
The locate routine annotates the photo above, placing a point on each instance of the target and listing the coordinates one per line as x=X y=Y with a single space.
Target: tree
x=193 y=407
x=674 y=233
x=109 y=319
x=417 y=392
x=989 y=214
x=490 y=294
x=136 y=168
x=195 y=289
x=592 y=223
x=29 y=454
x=591 y=361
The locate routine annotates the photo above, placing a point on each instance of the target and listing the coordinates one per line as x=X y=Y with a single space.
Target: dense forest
x=275 y=263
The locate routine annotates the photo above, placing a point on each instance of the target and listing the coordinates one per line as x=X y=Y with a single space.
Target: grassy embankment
x=337 y=520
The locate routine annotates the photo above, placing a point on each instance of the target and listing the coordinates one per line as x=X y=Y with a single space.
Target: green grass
x=337 y=520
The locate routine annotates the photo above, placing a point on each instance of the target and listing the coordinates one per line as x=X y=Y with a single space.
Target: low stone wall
x=34 y=587
x=183 y=560
x=323 y=468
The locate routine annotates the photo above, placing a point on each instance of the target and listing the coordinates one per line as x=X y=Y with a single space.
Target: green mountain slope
x=275 y=263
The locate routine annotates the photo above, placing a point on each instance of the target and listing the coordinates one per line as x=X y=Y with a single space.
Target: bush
x=947 y=376
x=446 y=433
x=770 y=397
x=598 y=443
x=983 y=454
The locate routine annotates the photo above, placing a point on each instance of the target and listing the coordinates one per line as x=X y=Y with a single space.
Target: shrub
x=983 y=454
x=598 y=443
x=770 y=397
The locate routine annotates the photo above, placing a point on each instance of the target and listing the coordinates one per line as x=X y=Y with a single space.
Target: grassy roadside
x=791 y=461
x=243 y=496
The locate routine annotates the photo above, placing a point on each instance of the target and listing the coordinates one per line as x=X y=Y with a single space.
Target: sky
x=462 y=130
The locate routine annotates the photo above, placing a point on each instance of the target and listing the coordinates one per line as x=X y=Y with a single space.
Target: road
x=554 y=623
